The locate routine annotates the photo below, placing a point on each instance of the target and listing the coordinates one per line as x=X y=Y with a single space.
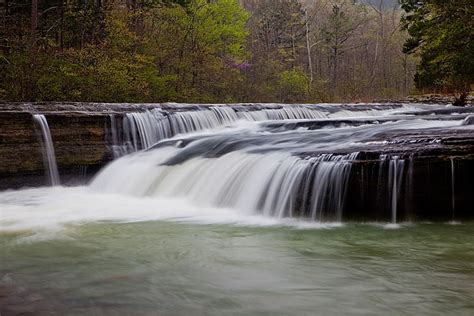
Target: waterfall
x=285 y=113
x=119 y=148
x=225 y=157
x=396 y=166
x=144 y=129
x=141 y=130
x=275 y=184
x=47 y=148
x=330 y=184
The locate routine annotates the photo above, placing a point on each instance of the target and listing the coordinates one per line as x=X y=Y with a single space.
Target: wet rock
x=468 y=99
x=425 y=194
x=461 y=99
x=468 y=120
x=79 y=139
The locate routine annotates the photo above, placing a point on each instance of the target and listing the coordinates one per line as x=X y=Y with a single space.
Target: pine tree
x=442 y=32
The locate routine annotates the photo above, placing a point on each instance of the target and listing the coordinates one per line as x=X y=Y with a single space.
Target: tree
x=277 y=43
x=442 y=33
x=345 y=19
x=203 y=45
x=278 y=30
x=293 y=85
x=202 y=51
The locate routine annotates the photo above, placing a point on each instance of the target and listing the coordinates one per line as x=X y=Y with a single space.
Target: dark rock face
x=80 y=142
x=21 y=160
x=20 y=150
x=426 y=191
x=80 y=132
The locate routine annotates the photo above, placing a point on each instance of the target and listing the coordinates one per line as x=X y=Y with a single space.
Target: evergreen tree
x=442 y=32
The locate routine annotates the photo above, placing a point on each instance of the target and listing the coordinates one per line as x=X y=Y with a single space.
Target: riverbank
x=431 y=99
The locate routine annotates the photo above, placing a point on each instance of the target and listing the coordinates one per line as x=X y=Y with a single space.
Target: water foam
x=40 y=210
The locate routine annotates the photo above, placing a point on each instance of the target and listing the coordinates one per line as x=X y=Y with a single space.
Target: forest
x=232 y=51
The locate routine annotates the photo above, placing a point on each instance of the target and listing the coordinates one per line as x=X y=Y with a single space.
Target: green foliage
x=202 y=51
x=199 y=44
x=442 y=32
x=163 y=53
x=293 y=85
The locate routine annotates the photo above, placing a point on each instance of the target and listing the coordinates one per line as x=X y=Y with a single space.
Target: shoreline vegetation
x=448 y=99
x=457 y=99
x=228 y=51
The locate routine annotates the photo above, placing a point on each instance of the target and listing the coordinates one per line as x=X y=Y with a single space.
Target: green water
x=163 y=268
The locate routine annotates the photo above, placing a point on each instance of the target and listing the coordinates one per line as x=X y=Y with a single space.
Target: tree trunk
x=29 y=93
x=308 y=48
x=34 y=24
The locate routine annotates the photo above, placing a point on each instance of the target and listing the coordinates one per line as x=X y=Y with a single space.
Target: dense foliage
x=442 y=31
x=202 y=51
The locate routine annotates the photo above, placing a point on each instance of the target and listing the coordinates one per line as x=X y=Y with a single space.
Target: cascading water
x=277 y=185
x=330 y=184
x=142 y=130
x=119 y=148
x=274 y=169
x=396 y=167
x=49 y=156
x=276 y=162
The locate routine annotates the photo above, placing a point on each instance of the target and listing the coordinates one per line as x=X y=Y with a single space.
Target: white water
x=257 y=171
x=396 y=167
x=141 y=130
x=248 y=182
x=118 y=146
x=42 y=212
x=226 y=169
x=49 y=156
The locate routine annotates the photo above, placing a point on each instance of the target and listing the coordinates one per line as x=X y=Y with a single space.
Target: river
x=100 y=254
